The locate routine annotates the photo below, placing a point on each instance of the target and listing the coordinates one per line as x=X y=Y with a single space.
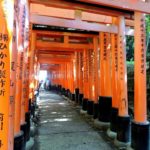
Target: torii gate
x=76 y=15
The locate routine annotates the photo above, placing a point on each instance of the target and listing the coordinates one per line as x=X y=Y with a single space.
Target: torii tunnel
x=82 y=46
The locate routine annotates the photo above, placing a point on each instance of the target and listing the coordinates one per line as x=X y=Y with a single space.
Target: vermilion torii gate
x=89 y=68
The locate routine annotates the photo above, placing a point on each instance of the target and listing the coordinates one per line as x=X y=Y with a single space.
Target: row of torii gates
x=87 y=67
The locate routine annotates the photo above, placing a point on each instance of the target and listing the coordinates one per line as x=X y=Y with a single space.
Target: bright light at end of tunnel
x=42 y=75
x=107 y=24
x=31 y=86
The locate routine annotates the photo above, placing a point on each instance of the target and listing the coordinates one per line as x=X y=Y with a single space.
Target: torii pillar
x=105 y=97
x=140 y=126
x=123 y=127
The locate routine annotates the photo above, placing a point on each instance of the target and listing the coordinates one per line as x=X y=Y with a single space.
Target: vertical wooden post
x=80 y=97
x=85 y=81
x=95 y=107
x=114 y=110
x=6 y=29
x=123 y=130
x=91 y=66
x=13 y=62
x=73 y=77
x=105 y=99
x=31 y=67
x=77 y=76
x=19 y=141
x=140 y=126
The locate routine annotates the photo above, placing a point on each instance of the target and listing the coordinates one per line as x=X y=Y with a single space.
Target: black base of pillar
x=140 y=138
x=68 y=93
x=95 y=111
x=24 y=129
x=105 y=104
x=63 y=91
x=123 y=129
x=90 y=107
x=27 y=119
x=19 y=141
x=76 y=95
x=80 y=97
x=114 y=119
x=84 y=104
x=59 y=88
x=73 y=97
x=30 y=102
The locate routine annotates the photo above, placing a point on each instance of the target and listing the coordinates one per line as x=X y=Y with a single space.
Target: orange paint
x=105 y=66
x=81 y=72
x=31 y=67
x=140 y=100
x=13 y=58
x=122 y=69
x=85 y=74
x=19 y=73
x=114 y=46
x=6 y=29
x=95 y=42
x=91 y=74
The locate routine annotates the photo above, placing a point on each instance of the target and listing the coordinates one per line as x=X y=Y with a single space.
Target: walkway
x=61 y=127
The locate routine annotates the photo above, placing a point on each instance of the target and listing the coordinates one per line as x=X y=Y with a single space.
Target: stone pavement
x=61 y=127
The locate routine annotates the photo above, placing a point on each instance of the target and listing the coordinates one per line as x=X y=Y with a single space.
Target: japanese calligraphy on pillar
x=121 y=57
x=6 y=25
x=85 y=67
x=142 y=44
x=3 y=58
x=116 y=52
x=105 y=47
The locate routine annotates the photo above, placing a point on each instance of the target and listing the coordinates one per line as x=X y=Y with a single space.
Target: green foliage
x=147 y=19
x=130 y=48
x=130 y=42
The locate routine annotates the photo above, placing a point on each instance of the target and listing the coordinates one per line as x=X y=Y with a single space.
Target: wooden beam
x=52 y=45
x=77 y=24
x=86 y=16
x=51 y=11
x=47 y=61
x=56 y=33
x=44 y=10
x=83 y=7
x=55 y=52
x=53 y=56
x=57 y=48
x=131 y=5
x=54 y=59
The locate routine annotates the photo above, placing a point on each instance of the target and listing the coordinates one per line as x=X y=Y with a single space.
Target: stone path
x=61 y=127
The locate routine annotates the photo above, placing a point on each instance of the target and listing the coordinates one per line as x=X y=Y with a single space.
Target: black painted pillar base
x=105 y=104
x=30 y=102
x=68 y=93
x=59 y=88
x=84 y=104
x=95 y=110
x=114 y=119
x=140 y=138
x=90 y=105
x=27 y=119
x=73 y=97
x=123 y=130
x=19 y=143
x=112 y=131
x=80 y=98
x=63 y=91
x=76 y=95
x=24 y=129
